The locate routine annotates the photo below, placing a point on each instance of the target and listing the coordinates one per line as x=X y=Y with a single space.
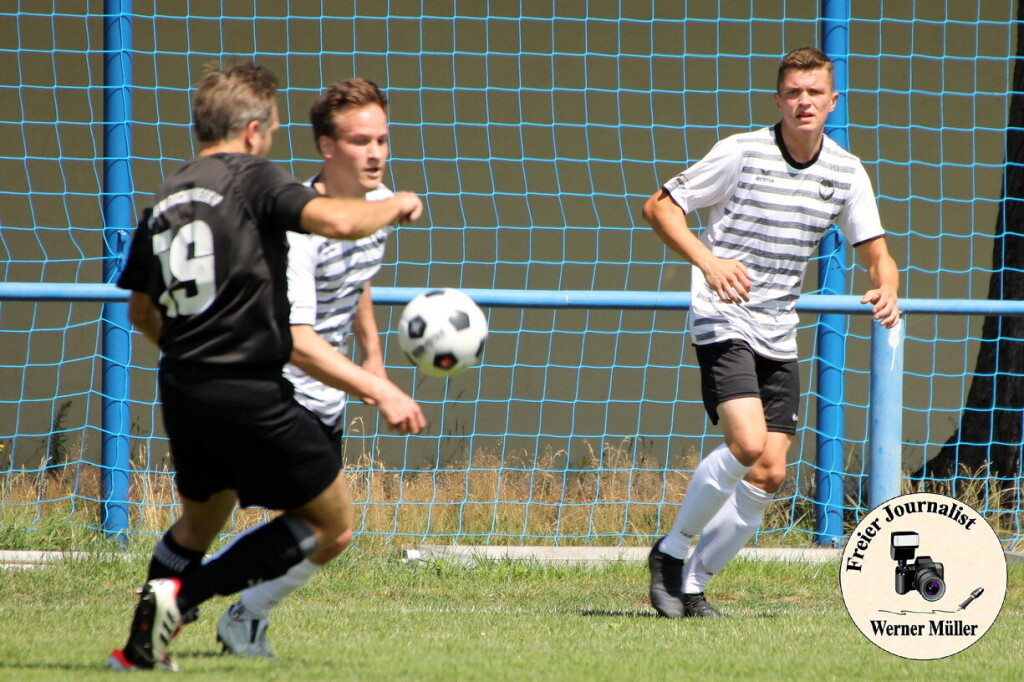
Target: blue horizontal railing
x=886 y=386
x=526 y=298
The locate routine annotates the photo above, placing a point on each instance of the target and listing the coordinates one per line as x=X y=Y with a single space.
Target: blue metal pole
x=831 y=336
x=831 y=332
x=117 y=220
x=559 y=300
x=885 y=413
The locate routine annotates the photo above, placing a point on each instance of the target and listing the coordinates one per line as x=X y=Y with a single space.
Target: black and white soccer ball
x=443 y=332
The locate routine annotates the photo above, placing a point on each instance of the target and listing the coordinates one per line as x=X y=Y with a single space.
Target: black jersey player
x=207 y=271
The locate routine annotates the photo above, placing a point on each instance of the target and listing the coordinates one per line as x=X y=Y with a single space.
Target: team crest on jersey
x=826 y=189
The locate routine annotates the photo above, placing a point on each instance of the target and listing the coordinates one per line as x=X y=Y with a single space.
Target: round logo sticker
x=923 y=576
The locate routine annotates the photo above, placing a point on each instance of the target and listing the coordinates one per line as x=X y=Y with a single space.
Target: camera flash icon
x=925 y=576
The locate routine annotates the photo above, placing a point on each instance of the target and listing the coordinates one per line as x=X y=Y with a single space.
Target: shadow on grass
x=85 y=667
x=621 y=613
x=627 y=613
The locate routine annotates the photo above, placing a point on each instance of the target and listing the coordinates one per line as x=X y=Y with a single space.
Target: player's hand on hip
x=410 y=207
x=885 y=308
x=728 y=278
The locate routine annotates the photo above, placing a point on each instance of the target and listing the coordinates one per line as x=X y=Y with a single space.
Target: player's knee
x=330 y=513
x=768 y=480
x=332 y=550
x=340 y=544
x=747 y=450
x=774 y=480
x=344 y=540
x=328 y=531
x=338 y=527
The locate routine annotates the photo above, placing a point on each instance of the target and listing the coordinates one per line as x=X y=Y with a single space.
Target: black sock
x=171 y=560
x=263 y=554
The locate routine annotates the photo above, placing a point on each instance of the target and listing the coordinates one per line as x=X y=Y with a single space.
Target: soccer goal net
x=534 y=132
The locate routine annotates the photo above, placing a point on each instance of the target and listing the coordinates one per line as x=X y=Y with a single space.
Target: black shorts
x=244 y=432
x=732 y=369
x=334 y=435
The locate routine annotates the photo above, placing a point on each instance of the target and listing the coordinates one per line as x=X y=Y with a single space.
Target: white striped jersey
x=769 y=212
x=326 y=279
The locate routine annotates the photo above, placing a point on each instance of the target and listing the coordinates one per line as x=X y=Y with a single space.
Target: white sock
x=260 y=599
x=712 y=483
x=725 y=535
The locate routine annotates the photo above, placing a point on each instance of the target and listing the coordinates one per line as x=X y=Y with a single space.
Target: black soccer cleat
x=698 y=607
x=666 y=583
x=156 y=622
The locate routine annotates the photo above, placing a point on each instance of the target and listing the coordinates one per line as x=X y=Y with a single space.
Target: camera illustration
x=923 y=575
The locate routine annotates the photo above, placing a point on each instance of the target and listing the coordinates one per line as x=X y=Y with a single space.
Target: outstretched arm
x=885 y=280
x=355 y=218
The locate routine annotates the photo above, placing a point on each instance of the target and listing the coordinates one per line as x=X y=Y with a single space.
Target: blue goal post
x=534 y=133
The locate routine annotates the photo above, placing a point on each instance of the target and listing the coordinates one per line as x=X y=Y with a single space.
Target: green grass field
x=370 y=617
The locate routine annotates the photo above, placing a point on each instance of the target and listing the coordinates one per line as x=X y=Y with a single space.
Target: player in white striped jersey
x=772 y=195
x=329 y=292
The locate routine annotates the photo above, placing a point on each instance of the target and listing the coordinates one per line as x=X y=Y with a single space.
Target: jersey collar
x=785 y=152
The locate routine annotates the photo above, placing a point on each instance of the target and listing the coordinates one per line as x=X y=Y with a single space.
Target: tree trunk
x=988 y=441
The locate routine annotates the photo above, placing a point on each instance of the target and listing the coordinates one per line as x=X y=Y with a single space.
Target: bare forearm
x=884 y=274
x=364 y=325
x=320 y=360
x=885 y=281
x=317 y=358
x=669 y=222
x=356 y=218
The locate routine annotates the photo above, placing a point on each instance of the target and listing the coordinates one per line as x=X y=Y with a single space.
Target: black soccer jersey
x=212 y=255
